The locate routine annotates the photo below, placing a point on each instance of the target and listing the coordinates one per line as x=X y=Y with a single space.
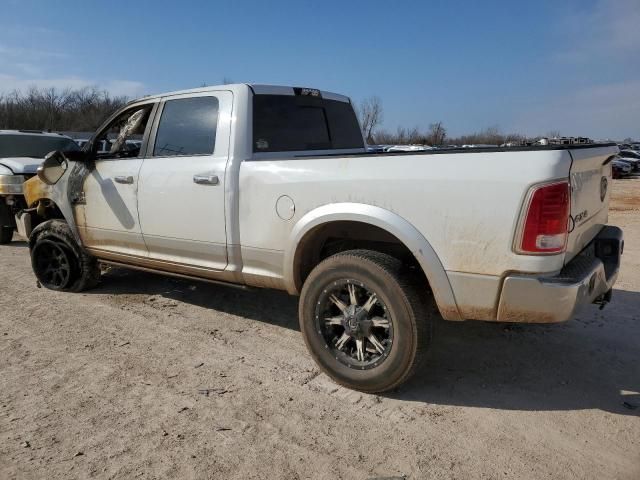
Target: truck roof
x=257 y=89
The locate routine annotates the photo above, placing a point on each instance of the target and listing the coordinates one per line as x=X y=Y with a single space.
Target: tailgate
x=590 y=192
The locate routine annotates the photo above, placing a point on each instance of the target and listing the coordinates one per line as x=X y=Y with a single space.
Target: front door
x=181 y=197
x=107 y=215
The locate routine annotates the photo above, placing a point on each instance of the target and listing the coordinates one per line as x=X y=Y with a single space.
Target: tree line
x=52 y=109
x=370 y=114
x=85 y=109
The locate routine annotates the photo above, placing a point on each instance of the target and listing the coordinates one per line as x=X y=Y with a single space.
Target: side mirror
x=53 y=167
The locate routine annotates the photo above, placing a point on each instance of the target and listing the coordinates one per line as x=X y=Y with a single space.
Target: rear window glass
x=35 y=146
x=187 y=127
x=286 y=123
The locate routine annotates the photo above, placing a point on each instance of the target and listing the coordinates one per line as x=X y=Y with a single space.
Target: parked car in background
x=408 y=148
x=479 y=145
x=620 y=168
x=21 y=152
x=629 y=146
x=629 y=153
x=630 y=157
x=375 y=148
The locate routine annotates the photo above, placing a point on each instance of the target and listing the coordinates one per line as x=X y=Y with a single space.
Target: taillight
x=546 y=221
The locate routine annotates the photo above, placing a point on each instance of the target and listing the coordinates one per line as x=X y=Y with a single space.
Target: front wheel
x=364 y=319
x=58 y=261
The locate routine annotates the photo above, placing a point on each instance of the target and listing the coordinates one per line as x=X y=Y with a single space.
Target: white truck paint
x=251 y=214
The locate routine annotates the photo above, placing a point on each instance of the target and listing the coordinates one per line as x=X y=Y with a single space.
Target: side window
x=115 y=141
x=187 y=127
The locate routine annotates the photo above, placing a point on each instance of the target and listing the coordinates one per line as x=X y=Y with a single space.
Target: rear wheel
x=58 y=261
x=365 y=320
x=6 y=225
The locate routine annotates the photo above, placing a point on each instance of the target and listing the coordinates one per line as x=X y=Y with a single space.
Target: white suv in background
x=21 y=152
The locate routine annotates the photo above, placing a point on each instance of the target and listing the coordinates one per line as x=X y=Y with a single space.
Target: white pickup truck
x=272 y=187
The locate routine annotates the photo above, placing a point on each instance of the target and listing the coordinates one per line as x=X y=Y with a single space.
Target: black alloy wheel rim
x=52 y=264
x=354 y=323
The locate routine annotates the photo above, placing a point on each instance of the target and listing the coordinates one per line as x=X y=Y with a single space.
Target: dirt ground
x=151 y=377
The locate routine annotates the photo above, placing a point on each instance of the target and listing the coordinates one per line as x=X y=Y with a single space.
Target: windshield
x=34 y=146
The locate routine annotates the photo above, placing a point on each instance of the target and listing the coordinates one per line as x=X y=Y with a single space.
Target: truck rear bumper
x=587 y=278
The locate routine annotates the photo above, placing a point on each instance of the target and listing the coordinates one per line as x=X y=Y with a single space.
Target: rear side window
x=287 y=123
x=187 y=127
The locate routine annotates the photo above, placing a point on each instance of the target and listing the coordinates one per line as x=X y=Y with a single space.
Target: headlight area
x=11 y=184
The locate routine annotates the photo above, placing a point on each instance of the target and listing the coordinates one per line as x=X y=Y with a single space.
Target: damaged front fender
x=66 y=194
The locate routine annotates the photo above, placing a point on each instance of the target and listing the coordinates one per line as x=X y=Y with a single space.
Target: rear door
x=590 y=192
x=182 y=181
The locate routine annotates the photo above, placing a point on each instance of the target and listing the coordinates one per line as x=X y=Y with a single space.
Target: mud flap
x=23 y=224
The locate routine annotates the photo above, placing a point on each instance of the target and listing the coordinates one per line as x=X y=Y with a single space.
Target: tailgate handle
x=206 y=179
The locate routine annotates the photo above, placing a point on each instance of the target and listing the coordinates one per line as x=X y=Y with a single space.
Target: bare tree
x=51 y=109
x=487 y=136
x=370 y=113
x=437 y=134
x=414 y=136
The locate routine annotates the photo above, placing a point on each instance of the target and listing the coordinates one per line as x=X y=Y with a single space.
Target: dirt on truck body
x=377 y=246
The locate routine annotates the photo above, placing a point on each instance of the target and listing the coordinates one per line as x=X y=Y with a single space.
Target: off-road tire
x=407 y=299
x=6 y=227
x=84 y=271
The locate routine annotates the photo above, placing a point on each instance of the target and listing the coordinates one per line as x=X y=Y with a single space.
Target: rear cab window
x=303 y=122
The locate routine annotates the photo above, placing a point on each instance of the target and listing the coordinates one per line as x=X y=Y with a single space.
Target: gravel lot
x=151 y=377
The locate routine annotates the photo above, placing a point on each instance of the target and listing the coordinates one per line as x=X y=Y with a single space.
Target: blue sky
x=524 y=66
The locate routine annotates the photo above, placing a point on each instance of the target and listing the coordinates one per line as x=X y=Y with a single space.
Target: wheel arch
x=383 y=219
x=51 y=201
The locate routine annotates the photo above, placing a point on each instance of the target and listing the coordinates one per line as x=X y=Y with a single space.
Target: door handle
x=124 y=179
x=206 y=179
